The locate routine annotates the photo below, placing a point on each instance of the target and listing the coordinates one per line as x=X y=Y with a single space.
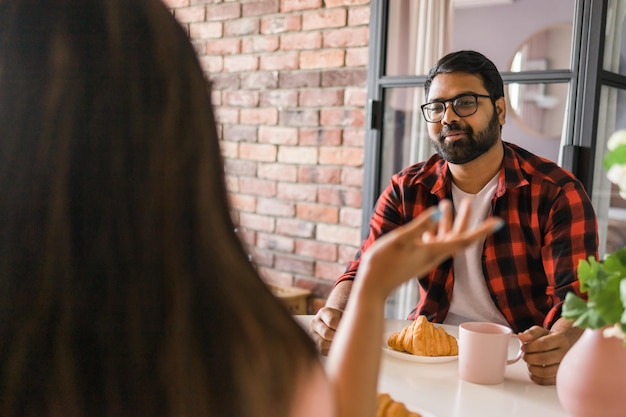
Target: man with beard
x=518 y=276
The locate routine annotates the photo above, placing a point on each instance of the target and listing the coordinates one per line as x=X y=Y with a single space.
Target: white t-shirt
x=471 y=300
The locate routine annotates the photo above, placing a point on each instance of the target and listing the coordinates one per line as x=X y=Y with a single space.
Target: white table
x=435 y=389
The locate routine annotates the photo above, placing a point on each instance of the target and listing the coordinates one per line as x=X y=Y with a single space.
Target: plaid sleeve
x=388 y=215
x=572 y=235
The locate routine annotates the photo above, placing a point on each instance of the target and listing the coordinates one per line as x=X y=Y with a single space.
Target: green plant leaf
x=616 y=156
x=573 y=306
x=606 y=300
x=605 y=285
x=584 y=272
x=622 y=291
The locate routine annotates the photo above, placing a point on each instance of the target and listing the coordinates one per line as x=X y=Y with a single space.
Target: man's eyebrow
x=464 y=93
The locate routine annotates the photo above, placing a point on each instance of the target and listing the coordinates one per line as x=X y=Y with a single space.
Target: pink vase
x=591 y=380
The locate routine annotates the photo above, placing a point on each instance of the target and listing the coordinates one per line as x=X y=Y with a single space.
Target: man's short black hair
x=470 y=62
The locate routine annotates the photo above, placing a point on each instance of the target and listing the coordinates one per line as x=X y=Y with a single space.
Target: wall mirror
x=540 y=107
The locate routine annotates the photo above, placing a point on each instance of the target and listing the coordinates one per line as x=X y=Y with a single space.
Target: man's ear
x=501 y=110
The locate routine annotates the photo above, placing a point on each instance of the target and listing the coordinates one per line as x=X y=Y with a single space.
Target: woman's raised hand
x=414 y=249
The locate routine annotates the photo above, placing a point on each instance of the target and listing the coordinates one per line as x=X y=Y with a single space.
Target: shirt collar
x=511 y=174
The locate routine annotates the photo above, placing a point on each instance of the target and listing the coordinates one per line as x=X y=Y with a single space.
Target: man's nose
x=449 y=115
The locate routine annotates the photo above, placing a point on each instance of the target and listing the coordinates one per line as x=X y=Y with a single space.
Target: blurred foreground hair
x=124 y=290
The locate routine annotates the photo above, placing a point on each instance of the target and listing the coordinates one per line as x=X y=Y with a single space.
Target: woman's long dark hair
x=124 y=290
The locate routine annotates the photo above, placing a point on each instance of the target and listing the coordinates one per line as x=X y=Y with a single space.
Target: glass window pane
x=547 y=49
x=610 y=207
x=418 y=34
x=516 y=25
x=615 y=40
x=405 y=138
x=535 y=117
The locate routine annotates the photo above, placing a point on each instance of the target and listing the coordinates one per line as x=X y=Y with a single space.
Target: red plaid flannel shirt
x=529 y=264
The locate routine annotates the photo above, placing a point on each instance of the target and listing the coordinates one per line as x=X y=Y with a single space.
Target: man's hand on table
x=324 y=324
x=323 y=327
x=544 y=350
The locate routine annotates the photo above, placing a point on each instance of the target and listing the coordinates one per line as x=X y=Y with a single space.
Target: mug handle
x=520 y=352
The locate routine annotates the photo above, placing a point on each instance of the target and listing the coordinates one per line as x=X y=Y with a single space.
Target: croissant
x=422 y=338
x=387 y=407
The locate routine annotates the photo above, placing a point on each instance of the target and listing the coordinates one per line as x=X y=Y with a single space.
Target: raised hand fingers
x=415 y=248
x=483 y=229
x=461 y=219
x=457 y=232
x=446 y=220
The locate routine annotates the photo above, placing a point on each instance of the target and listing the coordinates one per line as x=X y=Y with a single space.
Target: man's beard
x=469 y=148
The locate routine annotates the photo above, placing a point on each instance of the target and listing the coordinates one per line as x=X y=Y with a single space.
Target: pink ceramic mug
x=483 y=352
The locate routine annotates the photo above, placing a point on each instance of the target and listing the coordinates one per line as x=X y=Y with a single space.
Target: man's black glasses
x=463 y=105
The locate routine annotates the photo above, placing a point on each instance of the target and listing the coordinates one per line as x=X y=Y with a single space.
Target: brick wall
x=289 y=82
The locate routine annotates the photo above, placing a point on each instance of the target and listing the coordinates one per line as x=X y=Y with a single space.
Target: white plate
x=414 y=358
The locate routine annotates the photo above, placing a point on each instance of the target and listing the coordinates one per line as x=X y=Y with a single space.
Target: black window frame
x=586 y=78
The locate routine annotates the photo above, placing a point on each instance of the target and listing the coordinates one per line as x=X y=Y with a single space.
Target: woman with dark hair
x=124 y=290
